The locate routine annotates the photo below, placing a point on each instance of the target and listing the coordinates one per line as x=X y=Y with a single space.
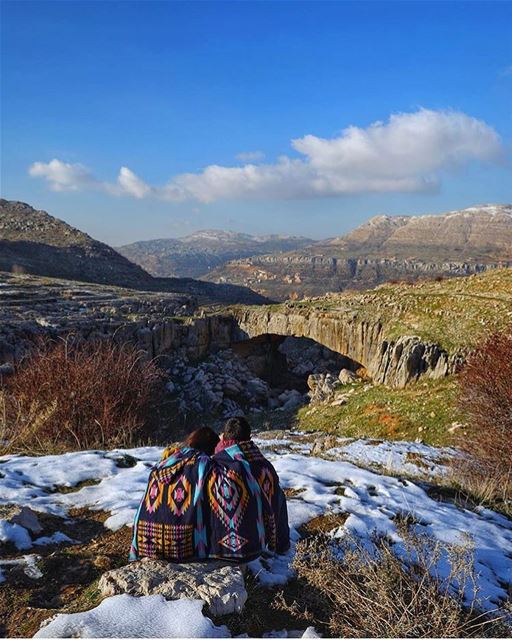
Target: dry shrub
x=351 y=590
x=486 y=398
x=78 y=396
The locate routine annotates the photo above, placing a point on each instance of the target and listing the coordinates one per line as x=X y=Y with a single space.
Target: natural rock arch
x=393 y=362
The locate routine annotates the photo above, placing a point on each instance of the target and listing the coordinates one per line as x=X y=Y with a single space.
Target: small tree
x=79 y=395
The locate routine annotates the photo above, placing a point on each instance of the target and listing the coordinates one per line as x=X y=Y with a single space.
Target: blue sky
x=200 y=101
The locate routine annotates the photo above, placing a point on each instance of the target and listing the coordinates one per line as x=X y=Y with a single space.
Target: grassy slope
x=454 y=313
x=423 y=410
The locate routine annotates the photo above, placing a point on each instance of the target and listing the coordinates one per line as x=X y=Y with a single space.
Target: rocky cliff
x=398 y=333
x=384 y=249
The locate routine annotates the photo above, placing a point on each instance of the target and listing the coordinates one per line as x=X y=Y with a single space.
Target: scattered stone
x=23 y=516
x=220 y=585
x=455 y=426
x=324 y=443
x=346 y=376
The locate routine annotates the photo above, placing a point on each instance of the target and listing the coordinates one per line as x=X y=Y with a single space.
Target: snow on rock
x=28 y=563
x=410 y=458
x=16 y=534
x=55 y=538
x=125 y=616
x=35 y=480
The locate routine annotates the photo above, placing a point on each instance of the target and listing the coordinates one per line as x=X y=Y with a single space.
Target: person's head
x=237 y=429
x=204 y=439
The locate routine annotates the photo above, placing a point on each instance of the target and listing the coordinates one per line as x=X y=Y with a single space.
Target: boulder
x=220 y=585
x=346 y=376
x=23 y=516
x=324 y=443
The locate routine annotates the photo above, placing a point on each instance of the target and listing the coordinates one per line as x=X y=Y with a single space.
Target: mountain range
x=197 y=254
x=34 y=242
x=277 y=267
x=383 y=249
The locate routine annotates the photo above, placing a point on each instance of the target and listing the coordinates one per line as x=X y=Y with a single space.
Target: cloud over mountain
x=407 y=153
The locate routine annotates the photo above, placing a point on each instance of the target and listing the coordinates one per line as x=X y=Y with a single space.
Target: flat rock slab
x=220 y=585
x=23 y=516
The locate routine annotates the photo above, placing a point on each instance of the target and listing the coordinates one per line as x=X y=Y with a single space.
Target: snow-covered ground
x=372 y=501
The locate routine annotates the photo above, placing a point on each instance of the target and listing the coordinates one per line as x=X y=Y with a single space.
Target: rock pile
x=224 y=385
x=328 y=388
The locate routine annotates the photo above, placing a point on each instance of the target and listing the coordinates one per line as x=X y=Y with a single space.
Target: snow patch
x=125 y=616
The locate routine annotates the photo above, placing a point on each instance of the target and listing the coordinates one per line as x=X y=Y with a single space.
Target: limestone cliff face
x=395 y=363
x=386 y=248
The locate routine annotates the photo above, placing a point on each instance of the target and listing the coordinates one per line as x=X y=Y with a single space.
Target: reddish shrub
x=486 y=398
x=79 y=396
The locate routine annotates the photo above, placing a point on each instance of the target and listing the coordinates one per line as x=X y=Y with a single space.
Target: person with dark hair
x=235 y=430
x=171 y=523
x=248 y=507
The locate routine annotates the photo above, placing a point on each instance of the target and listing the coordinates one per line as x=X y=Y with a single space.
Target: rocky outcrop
x=295 y=275
x=22 y=516
x=393 y=362
x=170 y=326
x=220 y=585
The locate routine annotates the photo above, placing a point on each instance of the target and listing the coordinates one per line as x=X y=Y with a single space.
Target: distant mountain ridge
x=480 y=232
x=34 y=242
x=197 y=254
x=384 y=248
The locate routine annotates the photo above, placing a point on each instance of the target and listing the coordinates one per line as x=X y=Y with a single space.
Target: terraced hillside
x=384 y=249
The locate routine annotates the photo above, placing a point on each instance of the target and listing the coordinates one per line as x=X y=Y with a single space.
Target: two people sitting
x=212 y=498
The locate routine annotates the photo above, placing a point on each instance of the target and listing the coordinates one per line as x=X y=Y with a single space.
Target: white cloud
x=62 y=176
x=407 y=153
x=250 y=156
x=131 y=184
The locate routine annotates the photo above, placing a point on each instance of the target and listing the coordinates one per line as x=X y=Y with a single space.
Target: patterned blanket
x=249 y=504
x=196 y=507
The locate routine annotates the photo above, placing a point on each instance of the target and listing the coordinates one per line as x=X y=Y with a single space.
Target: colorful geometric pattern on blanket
x=195 y=507
x=263 y=523
x=165 y=540
x=154 y=495
x=228 y=496
x=169 y=523
x=179 y=495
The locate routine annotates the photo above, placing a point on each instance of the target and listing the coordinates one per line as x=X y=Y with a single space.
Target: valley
x=385 y=249
x=353 y=395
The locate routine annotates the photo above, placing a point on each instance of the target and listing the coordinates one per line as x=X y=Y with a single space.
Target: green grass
x=423 y=410
x=455 y=313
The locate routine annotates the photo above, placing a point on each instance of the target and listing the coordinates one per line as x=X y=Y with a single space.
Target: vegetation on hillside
x=455 y=313
x=485 y=396
x=70 y=396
